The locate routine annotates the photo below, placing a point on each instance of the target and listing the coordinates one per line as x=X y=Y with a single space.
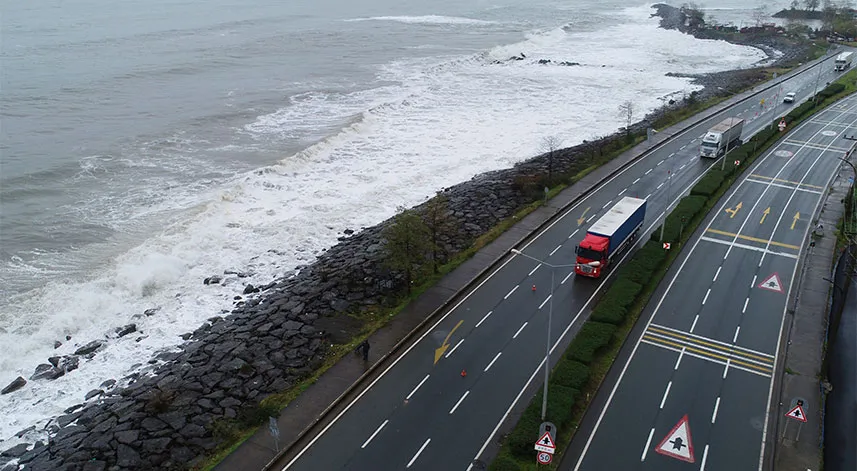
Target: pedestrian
x=364 y=349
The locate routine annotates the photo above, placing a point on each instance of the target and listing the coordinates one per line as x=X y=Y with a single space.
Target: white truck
x=724 y=136
x=843 y=61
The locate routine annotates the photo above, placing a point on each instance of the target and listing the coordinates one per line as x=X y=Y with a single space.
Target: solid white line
x=566 y=278
x=705 y=358
x=648 y=171
x=694 y=323
x=648 y=442
x=418 y=452
x=453 y=348
x=418 y=386
x=732 y=245
x=635 y=181
x=554 y=250
x=623 y=191
x=716 y=406
x=492 y=361
x=659 y=186
x=483 y=319
x=725 y=344
x=519 y=331
x=373 y=435
x=606 y=204
x=459 y=402
x=533 y=270
x=659 y=163
x=678 y=360
x=753 y=284
x=704 y=457
x=718 y=272
x=666 y=393
x=745 y=305
x=706 y=296
x=726 y=368
x=544 y=302
x=510 y=292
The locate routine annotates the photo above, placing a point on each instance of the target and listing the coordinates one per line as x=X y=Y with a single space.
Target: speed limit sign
x=544 y=458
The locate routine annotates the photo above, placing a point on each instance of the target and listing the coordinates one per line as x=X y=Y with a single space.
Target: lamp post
x=550 y=320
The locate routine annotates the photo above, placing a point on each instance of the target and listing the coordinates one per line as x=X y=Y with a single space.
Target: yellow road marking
x=796 y=219
x=445 y=345
x=707 y=354
x=765 y=214
x=723 y=348
x=733 y=212
x=583 y=216
x=786 y=181
x=754 y=239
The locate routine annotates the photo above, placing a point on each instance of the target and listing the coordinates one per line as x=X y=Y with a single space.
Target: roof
x=615 y=216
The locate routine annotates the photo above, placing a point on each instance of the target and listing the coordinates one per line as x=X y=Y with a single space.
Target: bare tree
x=440 y=223
x=794 y=5
x=811 y=5
x=626 y=112
x=550 y=144
x=760 y=14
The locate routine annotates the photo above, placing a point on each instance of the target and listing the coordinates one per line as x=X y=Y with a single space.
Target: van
x=789 y=98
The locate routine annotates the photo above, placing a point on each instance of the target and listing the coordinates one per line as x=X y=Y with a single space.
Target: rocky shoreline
x=174 y=412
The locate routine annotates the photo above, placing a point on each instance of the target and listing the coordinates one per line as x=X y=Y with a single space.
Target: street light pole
x=550 y=321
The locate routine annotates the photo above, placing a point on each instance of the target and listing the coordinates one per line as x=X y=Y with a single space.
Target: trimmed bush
x=611 y=311
x=560 y=402
x=593 y=336
x=525 y=434
x=624 y=290
x=708 y=185
x=505 y=462
x=571 y=374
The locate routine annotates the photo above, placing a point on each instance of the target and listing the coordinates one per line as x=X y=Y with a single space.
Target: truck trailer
x=843 y=61
x=723 y=136
x=610 y=234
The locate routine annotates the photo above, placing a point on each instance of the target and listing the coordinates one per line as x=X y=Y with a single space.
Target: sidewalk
x=798 y=446
x=343 y=381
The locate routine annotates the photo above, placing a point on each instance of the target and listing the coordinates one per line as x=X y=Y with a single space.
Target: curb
x=715 y=109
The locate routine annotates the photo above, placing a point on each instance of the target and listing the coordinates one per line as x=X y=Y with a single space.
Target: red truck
x=610 y=234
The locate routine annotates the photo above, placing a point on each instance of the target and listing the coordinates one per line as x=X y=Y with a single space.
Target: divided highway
x=698 y=385
x=422 y=413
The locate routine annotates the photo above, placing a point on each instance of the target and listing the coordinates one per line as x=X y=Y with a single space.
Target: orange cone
x=463 y=373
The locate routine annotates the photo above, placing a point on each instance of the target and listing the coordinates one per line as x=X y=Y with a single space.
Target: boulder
x=212 y=280
x=126 y=329
x=89 y=348
x=46 y=371
x=16 y=450
x=126 y=457
x=15 y=385
x=93 y=393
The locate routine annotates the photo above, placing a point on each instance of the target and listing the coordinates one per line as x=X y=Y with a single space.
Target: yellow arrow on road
x=733 y=212
x=796 y=219
x=445 y=345
x=583 y=216
x=765 y=214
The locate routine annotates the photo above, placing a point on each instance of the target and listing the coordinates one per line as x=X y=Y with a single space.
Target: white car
x=789 y=98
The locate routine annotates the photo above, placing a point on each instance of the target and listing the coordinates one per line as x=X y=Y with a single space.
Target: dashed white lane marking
x=715 y=275
x=483 y=319
x=572 y=234
x=375 y=433
x=706 y=296
x=534 y=269
x=726 y=368
x=716 y=406
x=659 y=186
x=459 y=402
x=735 y=337
x=566 y=278
x=672 y=154
x=648 y=196
x=745 y=305
x=510 y=292
x=408 y=397
x=418 y=452
x=544 y=302
x=623 y=191
x=678 y=360
x=635 y=181
x=704 y=457
x=753 y=283
x=519 y=331
x=453 y=348
x=666 y=394
x=606 y=204
x=492 y=361
x=659 y=163
x=694 y=323
x=648 y=442
x=648 y=171
x=554 y=250
x=682 y=166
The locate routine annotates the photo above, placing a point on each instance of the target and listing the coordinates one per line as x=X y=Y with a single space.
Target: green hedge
x=709 y=183
x=571 y=374
x=593 y=336
x=505 y=463
x=610 y=310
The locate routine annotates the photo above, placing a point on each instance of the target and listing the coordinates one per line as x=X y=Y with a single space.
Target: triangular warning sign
x=772 y=283
x=546 y=443
x=797 y=414
x=677 y=444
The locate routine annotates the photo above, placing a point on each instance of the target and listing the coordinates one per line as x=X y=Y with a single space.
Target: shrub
x=592 y=337
x=623 y=290
x=504 y=462
x=560 y=403
x=571 y=374
x=611 y=311
x=526 y=432
x=708 y=185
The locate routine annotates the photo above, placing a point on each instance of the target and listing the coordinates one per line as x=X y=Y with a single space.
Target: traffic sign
x=782 y=125
x=666 y=245
x=797 y=414
x=677 y=444
x=544 y=458
x=737 y=163
x=546 y=444
x=772 y=283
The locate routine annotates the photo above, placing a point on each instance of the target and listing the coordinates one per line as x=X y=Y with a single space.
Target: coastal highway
x=420 y=412
x=709 y=349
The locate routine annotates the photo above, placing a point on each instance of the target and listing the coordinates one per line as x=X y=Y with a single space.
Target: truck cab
x=592 y=255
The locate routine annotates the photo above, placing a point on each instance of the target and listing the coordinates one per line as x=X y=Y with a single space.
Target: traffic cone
x=534 y=287
x=463 y=373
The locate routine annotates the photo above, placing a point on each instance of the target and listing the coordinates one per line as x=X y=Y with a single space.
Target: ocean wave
x=427 y=20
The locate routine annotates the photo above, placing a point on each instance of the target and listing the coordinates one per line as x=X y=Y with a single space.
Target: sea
x=145 y=146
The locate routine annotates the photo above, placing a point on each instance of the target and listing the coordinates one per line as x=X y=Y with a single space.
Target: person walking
x=364 y=349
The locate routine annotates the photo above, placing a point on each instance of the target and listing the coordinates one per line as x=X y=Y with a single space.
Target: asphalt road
x=709 y=348
x=422 y=415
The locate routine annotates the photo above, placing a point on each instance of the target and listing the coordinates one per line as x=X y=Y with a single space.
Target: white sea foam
x=426 y=20
x=442 y=122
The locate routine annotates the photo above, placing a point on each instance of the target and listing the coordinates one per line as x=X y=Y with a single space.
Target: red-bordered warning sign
x=544 y=458
x=772 y=283
x=546 y=444
x=797 y=413
x=677 y=444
